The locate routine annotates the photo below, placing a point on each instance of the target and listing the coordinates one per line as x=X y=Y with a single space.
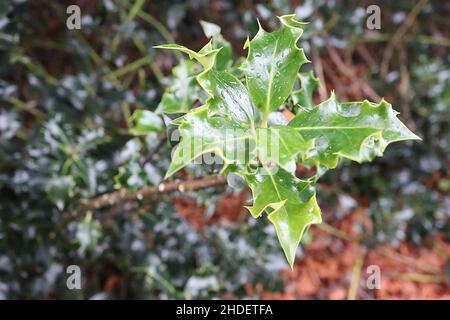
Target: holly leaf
x=303 y=96
x=289 y=204
x=273 y=62
x=202 y=134
x=281 y=145
x=183 y=90
x=206 y=56
x=228 y=96
x=348 y=129
x=229 y=125
x=213 y=31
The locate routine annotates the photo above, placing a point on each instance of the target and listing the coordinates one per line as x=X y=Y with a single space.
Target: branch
x=399 y=35
x=150 y=156
x=351 y=74
x=123 y=195
x=319 y=71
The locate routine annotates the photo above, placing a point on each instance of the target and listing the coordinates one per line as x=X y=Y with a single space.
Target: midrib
x=332 y=128
x=275 y=186
x=269 y=90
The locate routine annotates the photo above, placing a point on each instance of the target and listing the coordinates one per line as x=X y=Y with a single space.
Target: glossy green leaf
x=202 y=134
x=303 y=96
x=264 y=150
x=273 y=62
x=290 y=206
x=347 y=129
x=280 y=144
x=183 y=90
x=206 y=56
x=228 y=96
x=225 y=55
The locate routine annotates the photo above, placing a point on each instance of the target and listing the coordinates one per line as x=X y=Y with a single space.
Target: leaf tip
x=255 y=214
x=259 y=25
x=290 y=21
x=171 y=170
x=415 y=137
x=246 y=43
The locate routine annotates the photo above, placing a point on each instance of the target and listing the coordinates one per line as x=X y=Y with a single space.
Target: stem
x=161 y=29
x=123 y=195
x=140 y=45
x=126 y=114
x=393 y=43
x=133 y=66
x=419 y=277
x=149 y=157
x=337 y=233
x=29 y=106
x=265 y=120
x=356 y=275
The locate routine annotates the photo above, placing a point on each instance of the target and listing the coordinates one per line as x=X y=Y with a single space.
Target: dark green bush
x=66 y=97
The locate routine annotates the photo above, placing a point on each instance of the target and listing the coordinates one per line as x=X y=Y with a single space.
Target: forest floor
x=337 y=266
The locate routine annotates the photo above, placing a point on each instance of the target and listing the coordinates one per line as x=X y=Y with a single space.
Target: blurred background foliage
x=65 y=102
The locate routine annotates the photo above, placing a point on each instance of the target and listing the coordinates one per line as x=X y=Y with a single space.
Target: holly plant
x=237 y=120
